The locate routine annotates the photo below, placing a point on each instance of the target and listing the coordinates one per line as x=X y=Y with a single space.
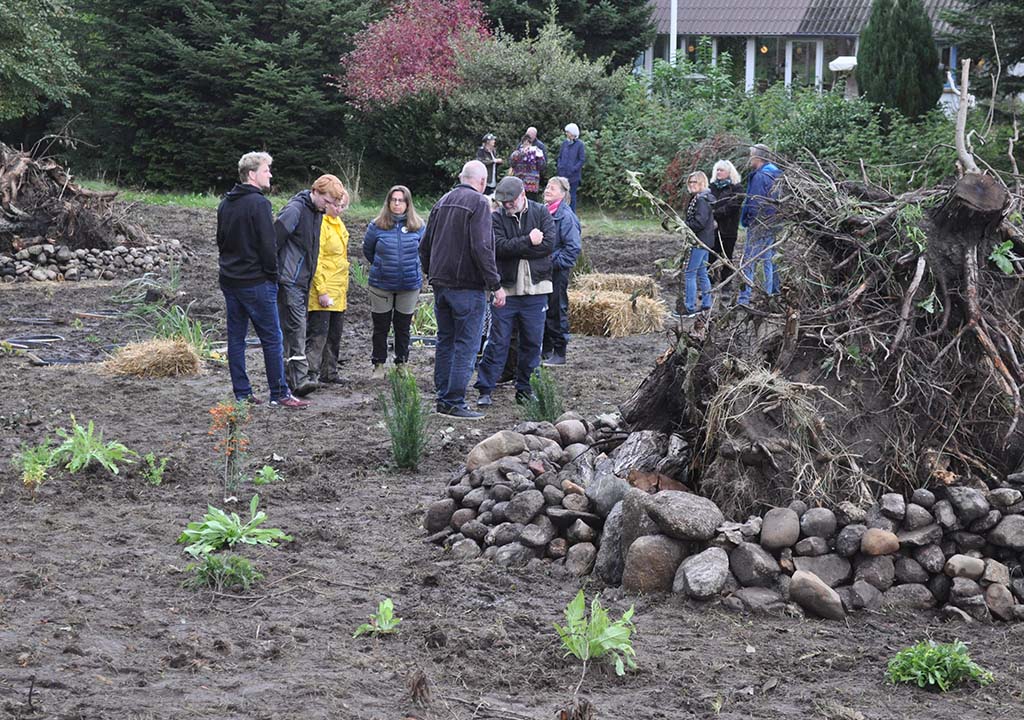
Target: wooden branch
x=966 y=159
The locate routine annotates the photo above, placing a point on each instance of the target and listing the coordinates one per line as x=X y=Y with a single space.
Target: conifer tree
x=972 y=25
x=898 y=63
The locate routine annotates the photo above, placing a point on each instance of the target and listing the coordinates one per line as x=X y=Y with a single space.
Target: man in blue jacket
x=758 y=217
x=457 y=255
x=248 y=278
x=571 y=158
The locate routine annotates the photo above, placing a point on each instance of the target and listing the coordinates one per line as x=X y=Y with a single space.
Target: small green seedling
x=222 y=572
x=546 y=403
x=597 y=637
x=83 y=445
x=154 y=470
x=382 y=622
x=218 y=529
x=266 y=475
x=936 y=665
x=1004 y=257
x=34 y=464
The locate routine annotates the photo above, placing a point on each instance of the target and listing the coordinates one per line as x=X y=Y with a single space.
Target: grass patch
x=935 y=665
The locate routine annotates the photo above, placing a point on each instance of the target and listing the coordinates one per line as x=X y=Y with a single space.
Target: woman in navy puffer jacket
x=392 y=246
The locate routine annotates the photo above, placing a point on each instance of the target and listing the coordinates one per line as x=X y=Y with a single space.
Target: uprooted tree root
x=39 y=200
x=890 y=360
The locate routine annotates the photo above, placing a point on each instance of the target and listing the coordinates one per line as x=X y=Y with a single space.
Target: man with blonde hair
x=248 y=278
x=298 y=246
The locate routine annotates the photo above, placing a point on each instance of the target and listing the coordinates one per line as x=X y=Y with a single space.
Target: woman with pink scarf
x=563 y=258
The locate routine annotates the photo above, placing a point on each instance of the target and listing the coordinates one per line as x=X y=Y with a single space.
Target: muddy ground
x=94 y=622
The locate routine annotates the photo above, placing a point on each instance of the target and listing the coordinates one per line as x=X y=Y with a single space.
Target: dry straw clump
x=158 y=358
x=617 y=282
x=614 y=314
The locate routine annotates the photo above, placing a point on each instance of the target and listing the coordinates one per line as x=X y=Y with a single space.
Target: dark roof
x=781 y=17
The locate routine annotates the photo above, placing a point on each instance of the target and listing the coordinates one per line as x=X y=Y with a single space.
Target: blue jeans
x=697 y=269
x=460 y=322
x=757 y=250
x=527 y=313
x=258 y=304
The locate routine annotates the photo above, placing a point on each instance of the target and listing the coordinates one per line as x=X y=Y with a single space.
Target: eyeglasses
x=399 y=200
x=337 y=204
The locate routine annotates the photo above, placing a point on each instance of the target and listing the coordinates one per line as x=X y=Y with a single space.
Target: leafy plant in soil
x=382 y=622
x=83 y=445
x=222 y=572
x=266 y=475
x=360 y=275
x=34 y=462
x=217 y=529
x=228 y=421
x=547 y=401
x=936 y=665
x=405 y=418
x=424 y=321
x=154 y=469
x=597 y=637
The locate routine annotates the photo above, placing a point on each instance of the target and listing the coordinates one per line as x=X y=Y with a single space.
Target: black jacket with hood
x=298 y=240
x=245 y=238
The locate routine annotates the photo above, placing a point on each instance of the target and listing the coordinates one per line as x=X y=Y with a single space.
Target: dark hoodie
x=298 y=240
x=245 y=238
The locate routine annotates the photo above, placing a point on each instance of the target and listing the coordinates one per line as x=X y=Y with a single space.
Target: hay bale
x=157 y=358
x=617 y=282
x=614 y=314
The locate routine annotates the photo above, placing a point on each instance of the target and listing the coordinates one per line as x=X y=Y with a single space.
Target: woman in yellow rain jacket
x=328 y=294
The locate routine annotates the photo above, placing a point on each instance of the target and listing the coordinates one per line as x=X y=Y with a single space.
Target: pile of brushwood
x=892 y=358
x=38 y=199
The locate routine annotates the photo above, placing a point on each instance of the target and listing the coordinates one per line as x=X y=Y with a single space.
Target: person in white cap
x=571 y=158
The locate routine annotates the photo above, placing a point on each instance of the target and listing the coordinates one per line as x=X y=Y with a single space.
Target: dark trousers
x=574 y=188
x=258 y=304
x=291 y=305
x=382 y=323
x=526 y=314
x=460 y=321
x=556 y=325
x=323 y=343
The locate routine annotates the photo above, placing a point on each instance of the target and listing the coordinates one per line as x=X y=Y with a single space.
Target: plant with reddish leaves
x=228 y=421
x=410 y=51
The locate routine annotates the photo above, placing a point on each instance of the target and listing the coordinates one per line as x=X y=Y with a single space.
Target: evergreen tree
x=179 y=91
x=36 y=64
x=618 y=29
x=898 y=63
x=972 y=25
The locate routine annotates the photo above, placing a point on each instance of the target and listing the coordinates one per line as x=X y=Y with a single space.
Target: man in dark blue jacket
x=758 y=217
x=524 y=236
x=457 y=255
x=571 y=157
x=298 y=247
x=248 y=278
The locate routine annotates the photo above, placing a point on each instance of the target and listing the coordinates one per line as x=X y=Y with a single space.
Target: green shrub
x=84 y=445
x=34 y=463
x=597 y=637
x=266 y=475
x=217 y=530
x=222 y=572
x=405 y=418
x=547 y=401
x=933 y=665
x=154 y=469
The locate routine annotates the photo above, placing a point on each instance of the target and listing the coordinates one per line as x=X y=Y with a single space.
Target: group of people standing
x=288 y=276
x=715 y=213
x=529 y=161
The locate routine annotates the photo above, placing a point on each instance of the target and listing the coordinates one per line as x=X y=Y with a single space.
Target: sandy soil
x=94 y=622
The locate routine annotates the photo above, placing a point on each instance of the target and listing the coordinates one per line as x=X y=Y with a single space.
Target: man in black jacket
x=524 y=237
x=457 y=255
x=298 y=246
x=248 y=278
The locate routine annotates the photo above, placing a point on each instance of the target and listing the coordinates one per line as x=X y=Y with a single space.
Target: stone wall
x=543 y=491
x=45 y=261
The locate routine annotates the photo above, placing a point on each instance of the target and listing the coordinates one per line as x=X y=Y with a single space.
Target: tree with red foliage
x=410 y=51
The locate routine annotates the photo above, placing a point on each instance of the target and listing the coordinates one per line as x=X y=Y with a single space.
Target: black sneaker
x=460 y=413
x=522 y=398
x=305 y=388
x=251 y=400
x=555 y=359
x=546 y=355
x=484 y=400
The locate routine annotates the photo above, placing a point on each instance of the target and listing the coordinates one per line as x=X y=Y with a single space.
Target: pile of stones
x=545 y=493
x=43 y=261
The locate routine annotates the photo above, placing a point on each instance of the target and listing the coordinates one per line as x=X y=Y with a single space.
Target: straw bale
x=614 y=314
x=617 y=282
x=157 y=358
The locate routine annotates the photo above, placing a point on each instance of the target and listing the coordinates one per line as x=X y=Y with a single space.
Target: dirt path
x=94 y=619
